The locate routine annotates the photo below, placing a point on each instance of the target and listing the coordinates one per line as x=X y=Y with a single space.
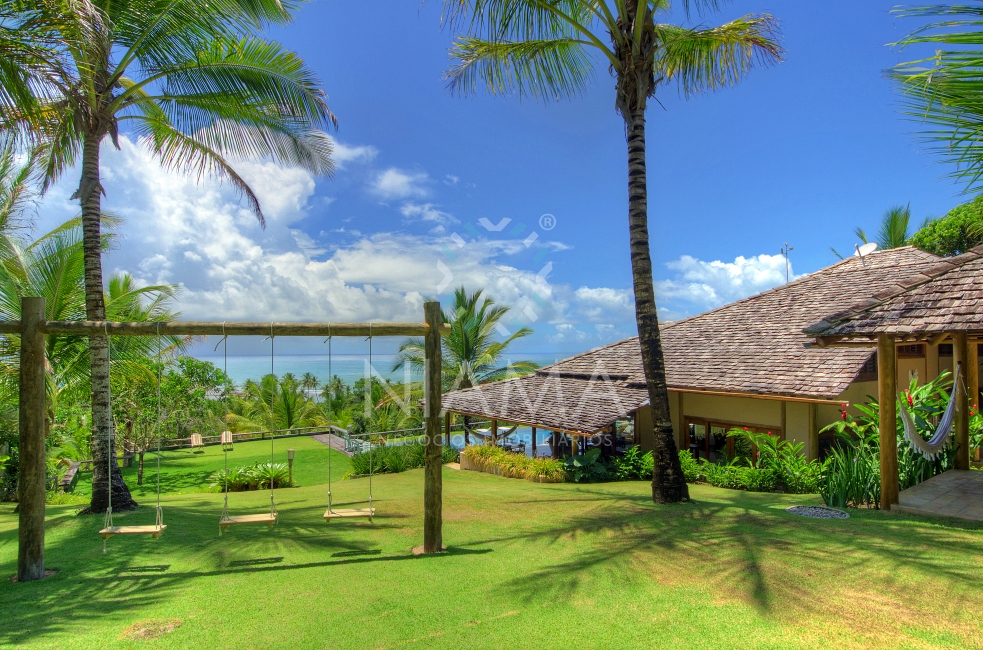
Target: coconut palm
x=546 y=49
x=943 y=92
x=272 y=404
x=470 y=353
x=309 y=382
x=197 y=85
x=893 y=232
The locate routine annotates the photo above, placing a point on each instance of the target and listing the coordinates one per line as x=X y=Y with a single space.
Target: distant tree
x=955 y=233
x=893 y=232
x=471 y=354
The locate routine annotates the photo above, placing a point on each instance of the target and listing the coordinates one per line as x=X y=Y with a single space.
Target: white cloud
x=706 y=285
x=343 y=154
x=603 y=303
x=426 y=212
x=394 y=183
x=451 y=179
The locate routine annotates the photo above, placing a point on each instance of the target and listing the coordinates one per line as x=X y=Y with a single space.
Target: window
x=915 y=351
x=718 y=445
x=945 y=349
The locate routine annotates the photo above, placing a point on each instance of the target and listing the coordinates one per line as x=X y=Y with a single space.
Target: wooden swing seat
x=267 y=518
x=349 y=513
x=153 y=531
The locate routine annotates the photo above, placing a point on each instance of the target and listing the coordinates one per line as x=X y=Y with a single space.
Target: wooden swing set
x=32 y=329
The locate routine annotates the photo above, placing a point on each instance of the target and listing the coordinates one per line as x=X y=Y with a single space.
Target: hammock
x=485 y=434
x=931 y=448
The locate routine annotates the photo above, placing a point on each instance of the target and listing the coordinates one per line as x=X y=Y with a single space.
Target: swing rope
x=370 y=399
x=160 y=355
x=225 y=448
x=108 y=522
x=273 y=512
x=330 y=509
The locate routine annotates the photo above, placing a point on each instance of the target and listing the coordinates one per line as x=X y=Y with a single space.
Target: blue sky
x=802 y=152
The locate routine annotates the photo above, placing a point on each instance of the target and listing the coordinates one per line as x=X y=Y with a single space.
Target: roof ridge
x=802 y=278
x=946 y=265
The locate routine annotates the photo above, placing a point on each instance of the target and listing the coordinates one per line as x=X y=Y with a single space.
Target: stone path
x=956 y=493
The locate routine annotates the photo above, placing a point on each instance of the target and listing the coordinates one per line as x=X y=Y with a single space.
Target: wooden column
x=887 y=380
x=494 y=433
x=32 y=471
x=813 y=432
x=447 y=429
x=960 y=354
x=432 y=487
x=534 y=442
x=784 y=435
x=682 y=440
x=973 y=375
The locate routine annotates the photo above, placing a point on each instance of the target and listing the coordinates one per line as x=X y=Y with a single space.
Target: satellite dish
x=865 y=250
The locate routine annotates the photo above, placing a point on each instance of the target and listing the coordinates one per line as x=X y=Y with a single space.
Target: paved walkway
x=332 y=440
x=956 y=493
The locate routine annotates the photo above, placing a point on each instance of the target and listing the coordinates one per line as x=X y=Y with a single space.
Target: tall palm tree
x=272 y=404
x=309 y=382
x=893 y=232
x=943 y=92
x=545 y=48
x=470 y=353
x=197 y=85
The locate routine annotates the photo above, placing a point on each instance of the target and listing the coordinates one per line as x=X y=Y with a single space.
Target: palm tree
x=893 y=232
x=470 y=353
x=272 y=404
x=309 y=382
x=943 y=92
x=197 y=84
x=543 y=49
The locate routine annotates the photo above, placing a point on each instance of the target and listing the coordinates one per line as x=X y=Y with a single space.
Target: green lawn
x=528 y=566
x=184 y=470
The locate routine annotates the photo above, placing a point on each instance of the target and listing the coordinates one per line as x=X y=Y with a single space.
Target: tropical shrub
x=255 y=477
x=586 y=468
x=635 y=465
x=489 y=458
x=793 y=472
x=737 y=477
x=691 y=468
x=393 y=459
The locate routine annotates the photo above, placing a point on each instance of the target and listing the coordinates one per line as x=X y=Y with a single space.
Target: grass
x=528 y=565
x=184 y=470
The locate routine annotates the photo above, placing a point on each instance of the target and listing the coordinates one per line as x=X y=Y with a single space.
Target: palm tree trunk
x=104 y=471
x=140 y=468
x=668 y=483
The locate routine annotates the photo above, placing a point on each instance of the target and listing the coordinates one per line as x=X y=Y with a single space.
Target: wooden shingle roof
x=752 y=346
x=946 y=297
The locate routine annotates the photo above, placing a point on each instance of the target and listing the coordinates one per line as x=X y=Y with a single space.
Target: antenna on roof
x=784 y=251
x=864 y=251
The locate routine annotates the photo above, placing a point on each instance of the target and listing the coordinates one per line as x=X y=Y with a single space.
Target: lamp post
x=290 y=466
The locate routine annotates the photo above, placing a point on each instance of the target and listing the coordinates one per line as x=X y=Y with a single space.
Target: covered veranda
x=941 y=305
x=573 y=412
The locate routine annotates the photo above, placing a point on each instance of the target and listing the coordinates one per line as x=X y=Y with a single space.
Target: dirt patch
x=152 y=629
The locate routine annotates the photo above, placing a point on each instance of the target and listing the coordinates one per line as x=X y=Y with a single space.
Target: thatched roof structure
x=754 y=346
x=944 y=298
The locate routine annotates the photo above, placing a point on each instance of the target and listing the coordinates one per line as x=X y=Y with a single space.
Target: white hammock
x=931 y=448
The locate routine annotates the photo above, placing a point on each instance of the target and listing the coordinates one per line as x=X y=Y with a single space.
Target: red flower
x=911 y=400
x=745 y=428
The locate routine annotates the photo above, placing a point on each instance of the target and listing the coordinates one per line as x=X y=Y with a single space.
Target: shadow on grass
x=743 y=547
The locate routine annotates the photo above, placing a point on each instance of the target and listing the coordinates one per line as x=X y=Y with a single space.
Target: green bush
x=958 y=231
x=737 y=477
x=587 y=468
x=393 y=459
x=512 y=465
x=691 y=468
x=255 y=477
x=634 y=465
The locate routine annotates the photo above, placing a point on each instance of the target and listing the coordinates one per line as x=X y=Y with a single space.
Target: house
x=746 y=364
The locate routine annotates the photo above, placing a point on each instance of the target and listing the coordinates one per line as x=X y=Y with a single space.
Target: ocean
x=349 y=367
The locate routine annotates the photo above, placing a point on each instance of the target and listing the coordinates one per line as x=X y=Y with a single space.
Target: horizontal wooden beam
x=572 y=432
x=774 y=398
x=193 y=328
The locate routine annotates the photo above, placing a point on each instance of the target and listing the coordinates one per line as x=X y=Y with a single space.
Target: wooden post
x=32 y=470
x=973 y=375
x=813 y=432
x=960 y=354
x=432 y=490
x=887 y=380
x=494 y=432
x=783 y=436
x=447 y=429
x=534 y=442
